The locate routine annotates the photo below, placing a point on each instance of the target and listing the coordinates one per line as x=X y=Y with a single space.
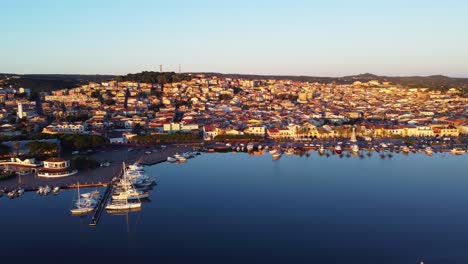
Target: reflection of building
x=56 y=168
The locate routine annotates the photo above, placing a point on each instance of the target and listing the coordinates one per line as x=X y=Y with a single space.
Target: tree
x=4 y=150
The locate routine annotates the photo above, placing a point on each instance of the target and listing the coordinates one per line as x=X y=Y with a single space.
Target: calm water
x=236 y=208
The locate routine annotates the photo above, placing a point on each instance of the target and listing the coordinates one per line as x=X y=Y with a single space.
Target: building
x=56 y=168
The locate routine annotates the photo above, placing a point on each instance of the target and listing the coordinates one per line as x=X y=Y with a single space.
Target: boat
x=122 y=205
x=457 y=151
x=12 y=194
x=56 y=190
x=273 y=151
x=171 y=159
x=46 y=190
x=276 y=155
x=130 y=194
x=355 y=148
x=428 y=151
x=20 y=192
x=321 y=150
x=83 y=205
x=40 y=190
x=250 y=147
x=338 y=149
x=289 y=151
x=405 y=149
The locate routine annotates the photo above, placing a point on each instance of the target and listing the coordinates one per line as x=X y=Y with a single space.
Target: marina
x=302 y=199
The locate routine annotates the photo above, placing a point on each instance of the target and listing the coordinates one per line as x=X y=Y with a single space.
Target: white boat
x=122 y=205
x=46 y=190
x=92 y=195
x=40 y=190
x=20 y=192
x=428 y=151
x=12 y=194
x=273 y=151
x=276 y=155
x=405 y=149
x=289 y=151
x=355 y=148
x=171 y=159
x=56 y=190
x=130 y=194
x=457 y=151
x=83 y=205
x=250 y=147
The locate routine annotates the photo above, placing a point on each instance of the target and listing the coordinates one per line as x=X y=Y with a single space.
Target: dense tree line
x=69 y=142
x=154 y=77
x=84 y=162
x=42 y=148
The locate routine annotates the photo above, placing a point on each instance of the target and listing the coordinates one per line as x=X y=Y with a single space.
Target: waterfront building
x=56 y=168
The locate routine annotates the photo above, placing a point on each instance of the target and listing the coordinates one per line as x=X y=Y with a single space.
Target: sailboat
x=83 y=205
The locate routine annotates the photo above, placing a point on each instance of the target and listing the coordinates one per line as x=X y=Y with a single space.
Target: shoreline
x=101 y=176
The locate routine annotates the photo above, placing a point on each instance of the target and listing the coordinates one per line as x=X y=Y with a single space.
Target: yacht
x=85 y=204
x=122 y=205
x=457 y=151
x=129 y=194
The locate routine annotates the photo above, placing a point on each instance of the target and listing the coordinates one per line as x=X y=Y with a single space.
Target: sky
x=293 y=37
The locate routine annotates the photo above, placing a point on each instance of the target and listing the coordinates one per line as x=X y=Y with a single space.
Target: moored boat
x=338 y=149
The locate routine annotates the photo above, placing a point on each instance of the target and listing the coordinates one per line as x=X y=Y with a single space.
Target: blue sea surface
x=239 y=208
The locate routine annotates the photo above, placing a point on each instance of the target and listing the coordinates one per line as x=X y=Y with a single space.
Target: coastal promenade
x=99 y=176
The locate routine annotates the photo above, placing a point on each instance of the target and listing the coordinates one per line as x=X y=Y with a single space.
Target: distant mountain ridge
x=433 y=81
x=44 y=82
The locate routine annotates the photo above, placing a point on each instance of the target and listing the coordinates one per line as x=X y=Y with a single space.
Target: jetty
x=101 y=205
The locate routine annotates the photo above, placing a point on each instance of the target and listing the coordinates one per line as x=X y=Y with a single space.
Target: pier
x=100 y=207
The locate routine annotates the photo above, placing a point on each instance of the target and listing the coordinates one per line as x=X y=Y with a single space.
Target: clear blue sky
x=320 y=38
